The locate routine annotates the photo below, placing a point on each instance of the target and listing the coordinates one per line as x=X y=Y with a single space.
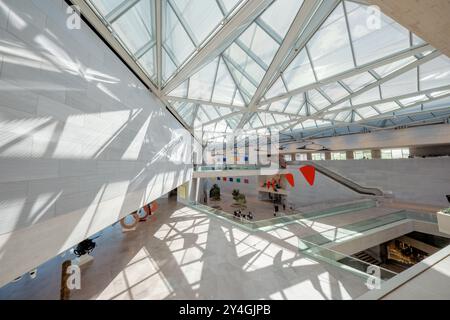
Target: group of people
x=239 y=214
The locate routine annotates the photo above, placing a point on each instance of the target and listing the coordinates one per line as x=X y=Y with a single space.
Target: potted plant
x=214 y=193
x=235 y=193
x=443 y=218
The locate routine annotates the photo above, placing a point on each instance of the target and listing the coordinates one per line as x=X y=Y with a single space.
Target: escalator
x=344 y=181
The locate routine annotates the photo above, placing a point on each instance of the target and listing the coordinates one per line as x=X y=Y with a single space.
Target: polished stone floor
x=181 y=253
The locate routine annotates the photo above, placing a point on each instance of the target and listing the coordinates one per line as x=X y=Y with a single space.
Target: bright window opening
x=398 y=153
x=362 y=154
x=339 y=155
x=318 y=156
x=301 y=157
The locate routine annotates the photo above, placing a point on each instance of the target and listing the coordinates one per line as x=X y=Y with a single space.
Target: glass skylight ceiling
x=352 y=71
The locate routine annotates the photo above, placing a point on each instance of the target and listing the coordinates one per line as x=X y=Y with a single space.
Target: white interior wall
x=424 y=181
x=82 y=141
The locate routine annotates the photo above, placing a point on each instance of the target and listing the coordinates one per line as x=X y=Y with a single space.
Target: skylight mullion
x=241 y=70
x=312 y=63
x=184 y=24
x=229 y=31
x=144 y=49
x=215 y=80
x=359 y=70
x=393 y=75
x=120 y=10
x=349 y=35
x=158 y=30
x=393 y=99
x=221 y=7
x=234 y=79
x=268 y=29
x=250 y=53
x=171 y=56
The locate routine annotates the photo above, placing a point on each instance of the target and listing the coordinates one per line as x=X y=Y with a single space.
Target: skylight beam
x=219 y=41
x=350 y=73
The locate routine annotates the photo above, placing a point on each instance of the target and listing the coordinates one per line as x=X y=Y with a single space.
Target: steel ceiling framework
x=258 y=65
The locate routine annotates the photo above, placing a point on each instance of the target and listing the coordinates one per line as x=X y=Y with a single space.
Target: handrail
x=344 y=181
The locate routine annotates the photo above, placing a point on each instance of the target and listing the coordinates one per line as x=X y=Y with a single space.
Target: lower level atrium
x=183 y=251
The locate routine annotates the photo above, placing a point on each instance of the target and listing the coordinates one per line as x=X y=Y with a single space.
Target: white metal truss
x=254 y=78
x=229 y=32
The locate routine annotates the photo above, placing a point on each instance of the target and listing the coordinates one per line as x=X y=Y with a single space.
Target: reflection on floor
x=184 y=254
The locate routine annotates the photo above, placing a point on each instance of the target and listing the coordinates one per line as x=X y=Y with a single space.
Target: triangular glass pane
x=135 y=26
x=176 y=40
x=386 y=107
x=279 y=105
x=201 y=117
x=238 y=100
x=334 y=91
x=413 y=100
x=180 y=91
x=280 y=118
x=211 y=112
x=245 y=86
x=304 y=110
x=201 y=17
x=255 y=122
x=147 y=62
x=368 y=96
x=394 y=66
x=229 y=5
x=367 y=112
x=403 y=84
x=356 y=116
x=234 y=121
x=295 y=104
x=330 y=48
x=342 y=105
x=374 y=39
x=245 y=63
x=317 y=100
x=259 y=43
x=106 y=6
x=224 y=86
x=359 y=81
x=435 y=73
x=168 y=67
x=299 y=73
x=186 y=111
x=307 y=124
x=277 y=89
x=343 y=116
x=271 y=16
x=201 y=83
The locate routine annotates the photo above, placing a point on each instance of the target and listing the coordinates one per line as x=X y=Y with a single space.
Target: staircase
x=363 y=256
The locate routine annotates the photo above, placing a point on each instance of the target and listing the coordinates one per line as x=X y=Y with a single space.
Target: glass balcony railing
x=373 y=275
x=366 y=276
x=284 y=219
x=355 y=229
x=222 y=167
x=363 y=275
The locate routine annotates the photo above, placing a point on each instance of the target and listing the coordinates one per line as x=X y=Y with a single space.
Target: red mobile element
x=290 y=178
x=309 y=172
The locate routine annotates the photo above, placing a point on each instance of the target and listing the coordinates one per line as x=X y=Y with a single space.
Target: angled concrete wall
x=82 y=141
